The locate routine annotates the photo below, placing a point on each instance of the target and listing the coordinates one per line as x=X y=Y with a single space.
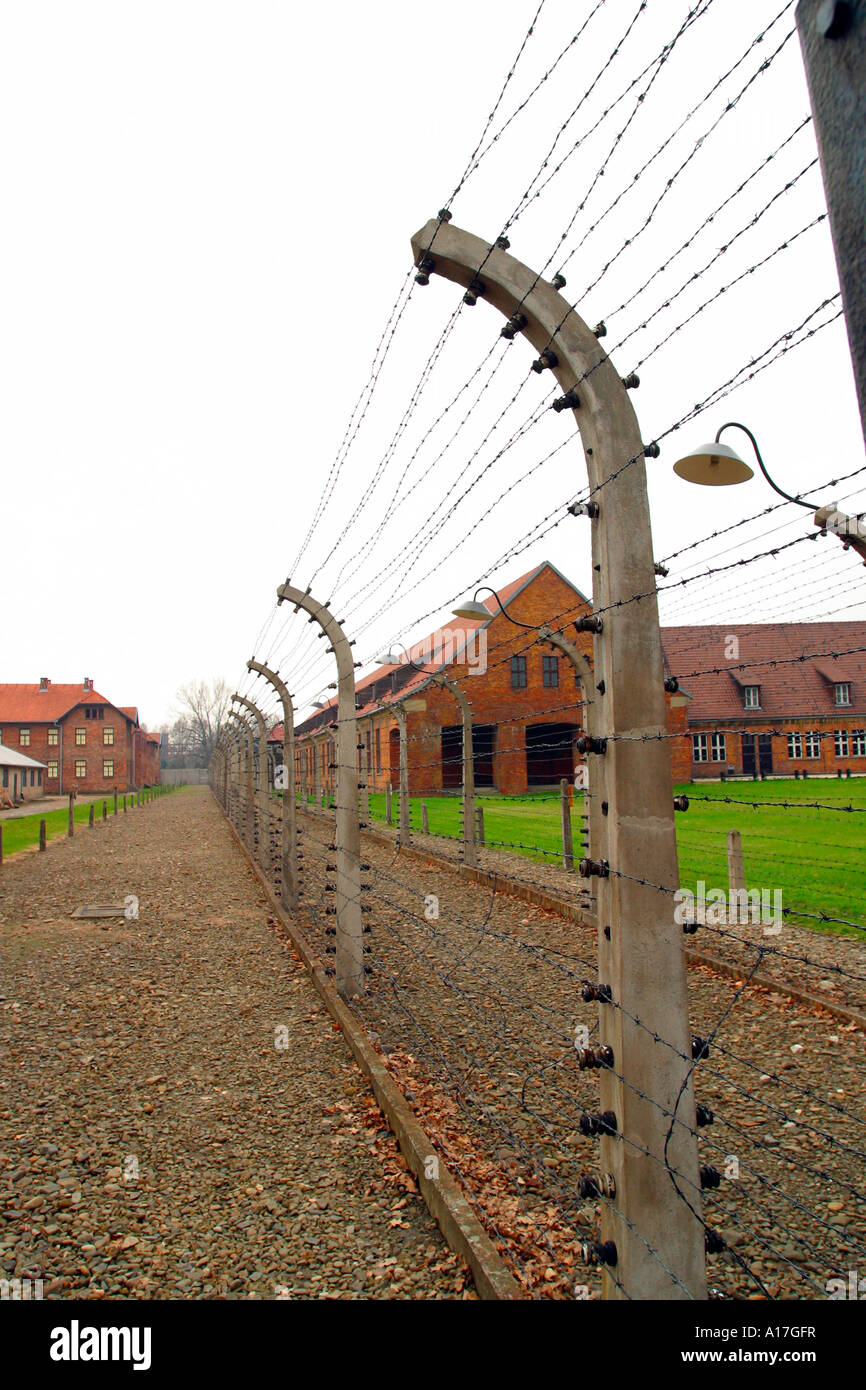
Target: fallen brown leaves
x=539 y=1245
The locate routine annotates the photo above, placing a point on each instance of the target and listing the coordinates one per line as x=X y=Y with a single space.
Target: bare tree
x=202 y=706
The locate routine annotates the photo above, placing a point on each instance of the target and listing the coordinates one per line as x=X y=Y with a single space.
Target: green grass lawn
x=21 y=832
x=814 y=856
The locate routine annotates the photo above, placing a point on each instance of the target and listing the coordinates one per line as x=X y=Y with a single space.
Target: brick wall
x=94 y=752
x=494 y=700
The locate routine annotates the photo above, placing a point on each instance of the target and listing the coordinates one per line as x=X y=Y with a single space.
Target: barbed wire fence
x=524 y=971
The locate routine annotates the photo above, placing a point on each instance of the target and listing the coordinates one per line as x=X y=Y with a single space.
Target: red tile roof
x=23 y=703
x=768 y=655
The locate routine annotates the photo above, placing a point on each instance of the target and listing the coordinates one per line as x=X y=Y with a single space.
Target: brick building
x=86 y=743
x=773 y=698
x=747 y=704
x=527 y=702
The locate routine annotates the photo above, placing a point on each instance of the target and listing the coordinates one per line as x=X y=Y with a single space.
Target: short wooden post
x=479 y=824
x=736 y=868
x=425 y=824
x=105 y=810
x=70 y=824
x=124 y=805
x=42 y=834
x=388 y=803
x=115 y=801
x=90 y=816
x=567 y=838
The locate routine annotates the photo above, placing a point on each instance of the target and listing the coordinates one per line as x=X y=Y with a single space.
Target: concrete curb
x=444 y=1196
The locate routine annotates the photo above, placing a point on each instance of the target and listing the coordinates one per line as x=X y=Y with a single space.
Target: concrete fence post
x=303 y=754
x=263 y=811
x=350 y=941
x=90 y=817
x=115 y=801
x=467 y=800
x=317 y=746
x=425 y=823
x=245 y=778
x=42 y=834
x=289 y=884
x=70 y=823
x=565 y=812
x=404 y=832
x=367 y=774
x=655 y=1221
x=388 y=818
x=479 y=824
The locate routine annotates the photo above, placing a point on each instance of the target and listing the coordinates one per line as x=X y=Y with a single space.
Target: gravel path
x=154 y=1141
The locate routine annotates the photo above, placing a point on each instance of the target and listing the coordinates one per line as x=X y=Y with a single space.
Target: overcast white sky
x=207 y=218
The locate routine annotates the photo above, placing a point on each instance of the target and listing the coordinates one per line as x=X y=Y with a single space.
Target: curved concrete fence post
x=583 y=667
x=366 y=739
x=655 y=1220
x=404 y=834
x=247 y=734
x=263 y=816
x=289 y=887
x=470 y=855
x=350 y=940
x=228 y=753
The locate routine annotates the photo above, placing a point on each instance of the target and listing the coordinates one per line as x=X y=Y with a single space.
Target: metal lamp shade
x=473 y=610
x=714 y=465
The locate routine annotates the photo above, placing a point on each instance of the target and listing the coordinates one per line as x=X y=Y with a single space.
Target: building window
x=700 y=748
x=93 y=712
x=518 y=673
x=80 y=767
x=718 y=748
x=108 y=734
x=795 y=746
x=858 y=743
x=80 y=737
x=24 y=738
x=108 y=767
x=842 y=692
x=53 y=738
x=550 y=671
x=52 y=768
x=840 y=743
x=812 y=745
x=752 y=697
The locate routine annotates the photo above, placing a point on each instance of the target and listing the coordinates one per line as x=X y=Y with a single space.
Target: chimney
x=88 y=683
x=44 y=683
